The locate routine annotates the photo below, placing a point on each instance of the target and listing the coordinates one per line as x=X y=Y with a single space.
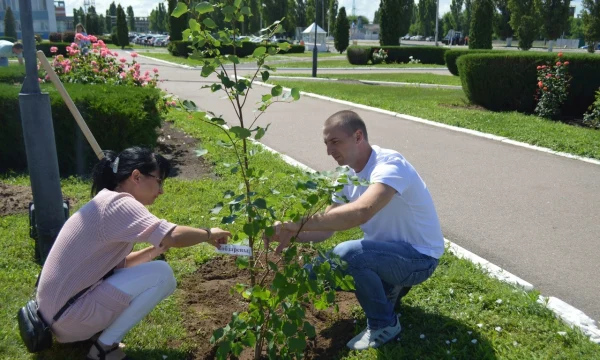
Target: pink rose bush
x=99 y=65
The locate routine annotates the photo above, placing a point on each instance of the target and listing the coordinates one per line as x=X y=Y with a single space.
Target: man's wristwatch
x=208 y=231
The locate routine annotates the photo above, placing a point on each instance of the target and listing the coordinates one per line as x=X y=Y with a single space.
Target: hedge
x=183 y=49
x=118 y=119
x=507 y=81
x=12 y=74
x=398 y=54
x=451 y=56
x=8 y=38
x=61 y=46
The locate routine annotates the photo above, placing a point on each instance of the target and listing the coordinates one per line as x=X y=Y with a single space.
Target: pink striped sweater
x=94 y=240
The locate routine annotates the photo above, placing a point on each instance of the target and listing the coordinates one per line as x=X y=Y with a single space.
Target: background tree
x=176 y=24
x=576 y=28
x=159 y=19
x=555 y=15
x=10 y=25
x=377 y=17
x=342 y=31
x=354 y=19
x=502 y=21
x=332 y=15
x=111 y=14
x=122 y=30
x=253 y=25
x=92 y=25
x=310 y=12
x=301 y=18
x=456 y=12
x=101 y=24
x=447 y=23
x=395 y=20
x=76 y=19
x=524 y=19
x=467 y=17
x=482 y=25
x=590 y=16
x=274 y=10
x=427 y=13
x=130 y=18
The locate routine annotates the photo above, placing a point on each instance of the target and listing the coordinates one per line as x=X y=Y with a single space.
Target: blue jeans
x=380 y=270
x=3 y=61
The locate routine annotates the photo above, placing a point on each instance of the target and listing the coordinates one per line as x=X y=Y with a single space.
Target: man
x=402 y=235
x=8 y=49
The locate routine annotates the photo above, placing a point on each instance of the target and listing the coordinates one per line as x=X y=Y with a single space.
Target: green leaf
x=217 y=208
x=217 y=335
x=228 y=10
x=246 y=11
x=228 y=219
x=186 y=34
x=223 y=351
x=260 y=203
x=296 y=94
x=215 y=88
x=238 y=199
x=236 y=349
x=207 y=70
x=189 y=105
x=259 y=51
x=194 y=26
x=234 y=59
x=260 y=133
x=265 y=76
x=277 y=90
x=267 y=97
x=296 y=345
x=309 y=330
x=289 y=329
x=273 y=266
x=272 y=50
x=240 y=132
x=242 y=262
x=260 y=293
x=237 y=3
x=313 y=199
x=179 y=10
x=249 y=339
x=201 y=152
x=204 y=7
x=284 y=46
x=209 y=23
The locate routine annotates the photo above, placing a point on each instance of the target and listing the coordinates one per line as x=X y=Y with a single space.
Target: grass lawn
x=309 y=54
x=460 y=312
x=409 y=78
x=132 y=46
x=193 y=62
x=346 y=64
x=451 y=107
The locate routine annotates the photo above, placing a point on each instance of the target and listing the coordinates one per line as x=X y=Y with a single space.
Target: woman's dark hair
x=142 y=159
x=78 y=25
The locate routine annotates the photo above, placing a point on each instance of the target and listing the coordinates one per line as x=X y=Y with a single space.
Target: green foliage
x=502 y=20
x=507 y=81
x=12 y=74
x=159 y=19
x=342 y=31
x=55 y=37
x=185 y=48
x=332 y=14
x=592 y=117
x=525 y=20
x=427 y=13
x=456 y=14
x=68 y=36
x=131 y=18
x=553 y=82
x=118 y=119
x=395 y=20
x=122 y=30
x=467 y=17
x=8 y=38
x=591 y=23
x=176 y=25
x=482 y=25
x=10 y=26
x=452 y=55
x=359 y=55
x=555 y=15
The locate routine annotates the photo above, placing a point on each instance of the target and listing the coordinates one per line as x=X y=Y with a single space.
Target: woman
x=82 y=42
x=98 y=239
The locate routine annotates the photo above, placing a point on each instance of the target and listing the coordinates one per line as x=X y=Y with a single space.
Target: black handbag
x=34 y=331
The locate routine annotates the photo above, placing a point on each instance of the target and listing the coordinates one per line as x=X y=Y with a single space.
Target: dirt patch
x=180 y=149
x=210 y=305
x=14 y=199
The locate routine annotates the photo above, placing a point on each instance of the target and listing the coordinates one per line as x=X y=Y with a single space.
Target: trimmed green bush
x=45 y=47
x=506 y=81
x=12 y=74
x=359 y=55
x=68 y=36
x=296 y=49
x=183 y=49
x=402 y=54
x=452 y=55
x=118 y=119
x=8 y=38
x=107 y=39
x=55 y=37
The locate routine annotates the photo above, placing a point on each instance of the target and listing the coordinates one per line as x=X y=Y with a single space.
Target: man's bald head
x=348 y=121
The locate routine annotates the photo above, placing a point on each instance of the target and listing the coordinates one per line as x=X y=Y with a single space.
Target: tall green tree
x=311 y=12
x=332 y=15
x=10 y=25
x=555 y=15
x=525 y=20
x=456 y=13
x=342 y=31
x=176 y=24
x=274 y=10
x=252 y=23
x=590 y=15
x=502 y=21
x=467 y=17
x=301 y=18
x=354 y=19
x=101 y=24
x=92 y=25
x=482 y=26
x=377 y=17
x=395 y=20
x=122 y=30
x=158 y=20
x=130 y=18
x=427 y=13
x=446 y=24
x=76 y=19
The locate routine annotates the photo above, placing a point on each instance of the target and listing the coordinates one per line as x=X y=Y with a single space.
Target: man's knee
x=348 y=250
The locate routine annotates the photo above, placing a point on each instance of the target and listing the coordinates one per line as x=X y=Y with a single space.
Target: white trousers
x=148 y=284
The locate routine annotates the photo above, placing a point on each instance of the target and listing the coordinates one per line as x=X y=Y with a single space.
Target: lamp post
x=437 y=16
x=38 y=135
x=314 y=67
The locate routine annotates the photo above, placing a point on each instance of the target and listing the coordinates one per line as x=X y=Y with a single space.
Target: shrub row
x=12 y=74
x=506 y=81
x=61 y=46
x=360 y=55
x=67 y=36
x=8 y=38
x=118 y=119
x=451 y=56
x=184 y=49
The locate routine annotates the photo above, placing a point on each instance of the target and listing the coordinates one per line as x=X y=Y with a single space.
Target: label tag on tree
x=232 y=249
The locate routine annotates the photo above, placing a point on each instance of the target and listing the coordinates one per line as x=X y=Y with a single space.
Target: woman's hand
x=218 y=237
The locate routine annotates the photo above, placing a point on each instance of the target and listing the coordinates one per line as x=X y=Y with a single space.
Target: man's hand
x=283 y=235
x=218 y=237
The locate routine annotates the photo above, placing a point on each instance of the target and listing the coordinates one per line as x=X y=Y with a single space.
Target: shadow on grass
x=443 y=338
x=79 y=350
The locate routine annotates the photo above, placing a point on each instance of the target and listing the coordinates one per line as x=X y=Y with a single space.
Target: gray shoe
x=374 y=338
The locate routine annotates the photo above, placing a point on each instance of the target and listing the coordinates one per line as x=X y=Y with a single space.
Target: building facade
x=43 y=13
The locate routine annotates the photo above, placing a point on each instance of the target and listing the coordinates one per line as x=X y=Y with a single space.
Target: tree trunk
x=550 y=45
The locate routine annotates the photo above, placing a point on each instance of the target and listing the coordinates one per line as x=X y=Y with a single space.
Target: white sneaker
x=374 y=338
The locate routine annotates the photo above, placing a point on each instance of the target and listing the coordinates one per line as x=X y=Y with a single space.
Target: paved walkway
x=534 y=214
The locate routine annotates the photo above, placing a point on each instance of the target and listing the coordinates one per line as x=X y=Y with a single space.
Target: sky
x=363 y=7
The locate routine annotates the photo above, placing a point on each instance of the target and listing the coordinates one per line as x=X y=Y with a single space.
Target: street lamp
x=314 y=67
x=437 y=16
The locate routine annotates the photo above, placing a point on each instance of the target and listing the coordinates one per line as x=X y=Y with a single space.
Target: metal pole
x=38 y=135
x=314 y=68
x=437 y=16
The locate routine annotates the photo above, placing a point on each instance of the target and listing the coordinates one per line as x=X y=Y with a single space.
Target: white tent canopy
x=311 y=29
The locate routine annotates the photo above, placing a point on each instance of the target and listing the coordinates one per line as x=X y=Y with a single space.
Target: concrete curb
x=567 y=313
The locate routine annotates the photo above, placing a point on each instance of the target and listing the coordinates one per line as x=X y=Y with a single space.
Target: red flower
x=548 y=76
x=560 y=54
x=539 y=67
x=543 y=67
x=545 y=89
x=566 y=63
x=558 y=63
x=541 y=84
